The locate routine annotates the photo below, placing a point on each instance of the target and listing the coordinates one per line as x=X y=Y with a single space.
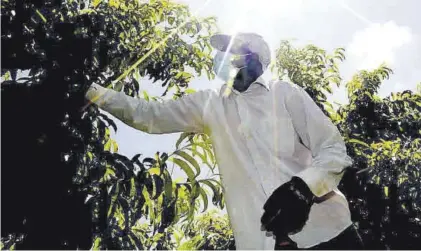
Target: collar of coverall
x=225 y=90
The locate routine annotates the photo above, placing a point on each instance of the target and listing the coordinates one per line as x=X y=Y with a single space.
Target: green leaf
x=190 y=159
x=41 y=16
x=95 y=3
x=203 y=157
x=6 y=76
x=115 y=146
x=208 y=74
x=107 y=146
x=207 y=150
x=358 y=142
x=155 y=170
x=328 y=105
x=107 y=133
x=222 y=201
x=148 y=203
x=90 y=155
x=168 y=186
x=190 y=215
x=190 y=91
x=190 y=244
x=132 y=188
x=205 y=199
x=377 y=180
x=207 y=182
x=158 y=186
x=145 y=96
x=181 y=138
x=328 y=89
x=195 y=191
x=87 y=11
x=113 y=3
x=97 y=244
x=211 y=155
x=136 y=76
x=109 y=173
x=185 y=167
x=114 y=195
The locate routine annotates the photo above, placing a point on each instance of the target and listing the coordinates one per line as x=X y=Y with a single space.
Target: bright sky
x=372 y=32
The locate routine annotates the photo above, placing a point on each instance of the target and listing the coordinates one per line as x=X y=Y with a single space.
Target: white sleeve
x=182 y=115
x=323 y=139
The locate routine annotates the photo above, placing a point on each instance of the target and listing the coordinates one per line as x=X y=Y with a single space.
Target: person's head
x=242 y=58
x=250 y=70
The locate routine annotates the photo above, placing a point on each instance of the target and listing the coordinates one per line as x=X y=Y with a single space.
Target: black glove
x=287 y=209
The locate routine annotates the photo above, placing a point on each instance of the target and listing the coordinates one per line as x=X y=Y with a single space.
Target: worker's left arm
x=321 y=136
x=287 y=209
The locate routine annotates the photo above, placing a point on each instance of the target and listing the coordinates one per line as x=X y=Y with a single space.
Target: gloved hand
x=287 y=209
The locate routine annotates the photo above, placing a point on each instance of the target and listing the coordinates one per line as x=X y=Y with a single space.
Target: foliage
x=310 y=67
x=383 y=138
x=64 y=183
x=208 y=231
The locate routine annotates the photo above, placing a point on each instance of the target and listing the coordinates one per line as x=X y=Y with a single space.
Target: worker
x=280 y=158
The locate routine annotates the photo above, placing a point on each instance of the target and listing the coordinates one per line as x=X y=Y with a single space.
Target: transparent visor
x=227 y=65
x=226 y=60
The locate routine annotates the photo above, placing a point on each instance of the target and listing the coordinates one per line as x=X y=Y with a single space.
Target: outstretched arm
x=182 y=115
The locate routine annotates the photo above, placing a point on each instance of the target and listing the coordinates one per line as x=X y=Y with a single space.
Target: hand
x=287 y=209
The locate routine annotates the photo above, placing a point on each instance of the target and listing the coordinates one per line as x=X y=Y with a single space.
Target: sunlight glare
x=273 y=8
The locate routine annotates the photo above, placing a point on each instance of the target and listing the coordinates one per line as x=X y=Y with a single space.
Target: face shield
x=227 y=65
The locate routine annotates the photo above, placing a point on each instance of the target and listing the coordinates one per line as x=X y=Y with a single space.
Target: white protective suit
x=256 y=137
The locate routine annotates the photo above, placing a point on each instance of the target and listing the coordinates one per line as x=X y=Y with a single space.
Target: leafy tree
x=382 y=136
x=64 y=185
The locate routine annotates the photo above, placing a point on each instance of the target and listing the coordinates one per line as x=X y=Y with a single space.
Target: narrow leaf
x=181 y=138
x=168 y=186
x=41 y=16
x=205 y=199
x=107 y=146
x=358 y=142
x=215 y=190
x=185 y=167
x=145 y=96
x=190 y=159
x=115 y=146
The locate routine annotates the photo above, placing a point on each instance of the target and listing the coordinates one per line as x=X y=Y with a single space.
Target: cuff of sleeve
x=320 y=181
x=95 y=93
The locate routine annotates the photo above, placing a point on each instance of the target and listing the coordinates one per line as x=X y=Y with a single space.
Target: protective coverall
x=261 y=138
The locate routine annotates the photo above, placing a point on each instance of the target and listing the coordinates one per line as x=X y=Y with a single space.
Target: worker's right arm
x=182 y=115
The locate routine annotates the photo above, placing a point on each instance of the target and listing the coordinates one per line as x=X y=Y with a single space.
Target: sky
x=372 y=32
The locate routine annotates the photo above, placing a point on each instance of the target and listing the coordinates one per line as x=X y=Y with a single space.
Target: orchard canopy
x=66 y=186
